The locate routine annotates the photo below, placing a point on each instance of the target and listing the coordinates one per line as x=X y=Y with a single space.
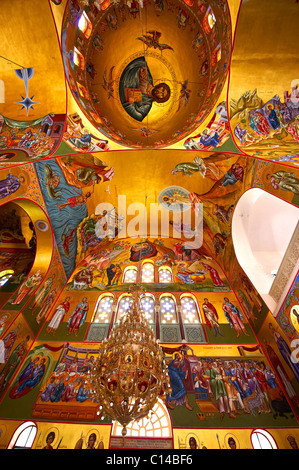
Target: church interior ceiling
x=129 y=130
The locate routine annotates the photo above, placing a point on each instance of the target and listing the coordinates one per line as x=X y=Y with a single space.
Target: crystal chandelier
x=130 y=372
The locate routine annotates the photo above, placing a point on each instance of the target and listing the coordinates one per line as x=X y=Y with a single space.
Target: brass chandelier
x=130 y=372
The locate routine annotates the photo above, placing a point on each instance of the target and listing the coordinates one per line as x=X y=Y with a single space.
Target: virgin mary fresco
x=137 y=92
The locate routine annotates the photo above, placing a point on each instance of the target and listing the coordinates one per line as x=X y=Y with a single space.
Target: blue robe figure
x=28 y=370
x=32 y=381
x=176 y=377
x=57 y=392
x=10 y=185
x=82 y=394
x=207 y=141
x=46 y=394
x=273 y=118
x=184 y=276
x=130 y=80
x=233 y=309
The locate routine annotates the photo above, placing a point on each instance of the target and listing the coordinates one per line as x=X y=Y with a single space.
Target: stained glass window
x=123 y=305
x=148 y=273
x=148 y=302
x=168 y=311
x=157 y=425
x=130 y=274
x=85 y=25
x=104 y=309
x=165 y=275
x=189 y=310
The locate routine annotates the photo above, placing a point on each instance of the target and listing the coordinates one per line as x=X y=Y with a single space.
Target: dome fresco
x=158 y=69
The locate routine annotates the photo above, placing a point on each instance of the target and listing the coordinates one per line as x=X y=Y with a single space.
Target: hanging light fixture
x=130 y=372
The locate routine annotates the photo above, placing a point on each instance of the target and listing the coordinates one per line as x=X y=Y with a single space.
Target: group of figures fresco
x=212 y=388
x=275 y=123
x=215 y=134
x=209 y=387
x=30 y=139
x=67 y=383
x=229 y=387
x=15 y=347
x=80 y=139
x=105 y=269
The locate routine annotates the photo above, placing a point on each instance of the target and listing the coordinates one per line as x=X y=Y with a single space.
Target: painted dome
x=146 y=74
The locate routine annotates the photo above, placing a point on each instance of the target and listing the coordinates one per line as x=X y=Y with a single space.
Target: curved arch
x=104 y=308
x=148 y=304
x=130 y=274
x=165 y=275
x=5 y=276
x=158 y=425
x=168 y=309
x=42 y=239
x=23 y=436
x=262 y=228
x=148 y=272
x=123 y=304
x=190 y=311
x=262 y=439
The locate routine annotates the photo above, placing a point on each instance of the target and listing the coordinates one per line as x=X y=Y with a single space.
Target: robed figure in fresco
x=78 y=317
x=10 y=185
x=137 y=92
x=234 y=317
x=177 y=374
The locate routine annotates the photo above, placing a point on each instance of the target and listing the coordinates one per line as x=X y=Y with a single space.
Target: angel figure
x=184 y=95
x=151 y=39
x=108 y=82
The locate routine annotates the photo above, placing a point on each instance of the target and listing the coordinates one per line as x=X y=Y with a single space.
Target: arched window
x=148 y=303
x=262 y=439
x=209 y=20
x=23 y=436
x=265 y=231
x=130 y=274
x=4 y=276
x=216 y=55
x=85 y=25
x=102 y=4
x=168 y=310
x=104 y=309
x=83 y=91
x=191 y=319
x=123 y=306
x=165 y=275
x=148 y=273
x=158 y=425
x=189 y=310
x=79 y=59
